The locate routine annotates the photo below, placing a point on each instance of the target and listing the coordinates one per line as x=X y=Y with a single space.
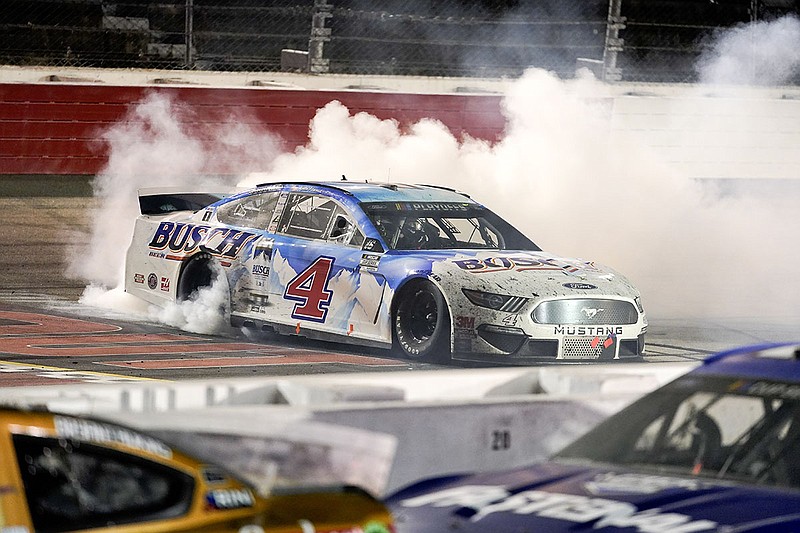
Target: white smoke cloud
x=758 y=53
x=561 y=173
x=204 y=312
x=152 y=147
x=564 y=176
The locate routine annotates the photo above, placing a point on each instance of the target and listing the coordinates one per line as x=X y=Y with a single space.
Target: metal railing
x=654 y=40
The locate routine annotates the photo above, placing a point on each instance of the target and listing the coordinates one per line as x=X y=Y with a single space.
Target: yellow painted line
x=66 y=373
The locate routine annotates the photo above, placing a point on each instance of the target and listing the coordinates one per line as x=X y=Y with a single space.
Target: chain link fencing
x=628 y=40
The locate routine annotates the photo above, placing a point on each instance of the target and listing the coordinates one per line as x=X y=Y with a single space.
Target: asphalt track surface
x=48 y=337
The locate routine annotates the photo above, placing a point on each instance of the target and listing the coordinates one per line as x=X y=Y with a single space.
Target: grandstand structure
x=622 y=40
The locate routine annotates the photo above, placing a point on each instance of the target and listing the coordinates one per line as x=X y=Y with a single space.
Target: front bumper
x=570 y=350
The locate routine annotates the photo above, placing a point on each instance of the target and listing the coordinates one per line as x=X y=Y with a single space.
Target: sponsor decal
x=73 y=428
x=230 y=499
x=165 y=284
x=186 y=238
x=588 y=331
x=485 y=500
x=465 y=322
x=370 y=262
x=579 y=286
x=765 y=388
x=213 y=474
x=519 y=263
x=607 y=343
x=152 y=281
x=138 y=278
x=422 y=206
x=261 y=270
x=207 y=216
x=612 y=483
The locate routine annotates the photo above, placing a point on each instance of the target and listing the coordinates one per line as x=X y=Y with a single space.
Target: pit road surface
x=48 y=337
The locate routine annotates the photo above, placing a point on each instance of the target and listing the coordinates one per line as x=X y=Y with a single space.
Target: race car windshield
x=444 y=226
x=704 y=426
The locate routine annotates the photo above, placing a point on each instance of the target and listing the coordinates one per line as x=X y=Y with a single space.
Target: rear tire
x=421 y=322
x=197 y=272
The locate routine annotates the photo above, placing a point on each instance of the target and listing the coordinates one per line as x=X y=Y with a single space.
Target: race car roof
x=778 y=361
x=382 y=192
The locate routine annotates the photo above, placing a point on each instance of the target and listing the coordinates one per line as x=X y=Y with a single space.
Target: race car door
x=319 y=279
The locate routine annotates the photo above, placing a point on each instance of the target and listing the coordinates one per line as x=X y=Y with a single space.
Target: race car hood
x=532 y=274
x=556 y=497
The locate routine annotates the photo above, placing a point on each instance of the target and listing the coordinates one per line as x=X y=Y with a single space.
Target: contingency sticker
x=73 y=428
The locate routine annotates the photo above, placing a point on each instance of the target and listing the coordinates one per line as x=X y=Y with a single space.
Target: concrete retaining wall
x=378 y=430
x=53 y=122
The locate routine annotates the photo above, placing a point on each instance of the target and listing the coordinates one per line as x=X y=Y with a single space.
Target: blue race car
x=424 y=269
x=718 y=449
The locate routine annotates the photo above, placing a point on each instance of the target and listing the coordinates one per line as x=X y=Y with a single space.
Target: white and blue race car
x=423 y=269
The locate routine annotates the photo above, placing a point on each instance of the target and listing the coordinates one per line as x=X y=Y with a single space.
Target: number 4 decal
x=310 y=290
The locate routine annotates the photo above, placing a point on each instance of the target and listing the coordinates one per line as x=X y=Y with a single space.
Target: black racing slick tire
x=421 y=322
x=197 y=272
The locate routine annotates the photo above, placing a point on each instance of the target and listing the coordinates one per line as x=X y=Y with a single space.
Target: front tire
x=421 y=322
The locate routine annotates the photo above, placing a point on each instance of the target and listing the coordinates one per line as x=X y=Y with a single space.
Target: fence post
x=188 y=35
x=319 y=35
x=613 y=44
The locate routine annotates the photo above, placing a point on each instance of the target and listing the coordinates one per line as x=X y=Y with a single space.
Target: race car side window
x=254 y=211
x=342 y=229
x=73 y=485
x=307 y=216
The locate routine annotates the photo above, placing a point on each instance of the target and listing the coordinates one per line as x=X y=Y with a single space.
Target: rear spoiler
x=163 y=202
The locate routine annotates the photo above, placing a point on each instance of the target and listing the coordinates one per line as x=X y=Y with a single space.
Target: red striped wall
x=57 y=129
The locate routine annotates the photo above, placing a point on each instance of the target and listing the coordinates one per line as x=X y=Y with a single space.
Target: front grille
x=585 y=311
x=581 y=348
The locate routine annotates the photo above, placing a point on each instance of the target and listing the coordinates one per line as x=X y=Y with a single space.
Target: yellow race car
x=67 y=473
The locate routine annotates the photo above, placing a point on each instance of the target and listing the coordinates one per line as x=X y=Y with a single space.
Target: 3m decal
x=310 y=290
x=486 y=500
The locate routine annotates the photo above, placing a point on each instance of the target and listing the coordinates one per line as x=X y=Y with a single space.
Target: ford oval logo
x=580 y=286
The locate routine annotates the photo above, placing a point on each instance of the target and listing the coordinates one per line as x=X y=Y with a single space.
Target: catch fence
x=628 y=40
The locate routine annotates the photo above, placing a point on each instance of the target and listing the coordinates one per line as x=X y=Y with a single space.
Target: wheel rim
x=422 y=316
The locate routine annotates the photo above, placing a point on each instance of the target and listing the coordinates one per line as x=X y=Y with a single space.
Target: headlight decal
x=498 y=302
